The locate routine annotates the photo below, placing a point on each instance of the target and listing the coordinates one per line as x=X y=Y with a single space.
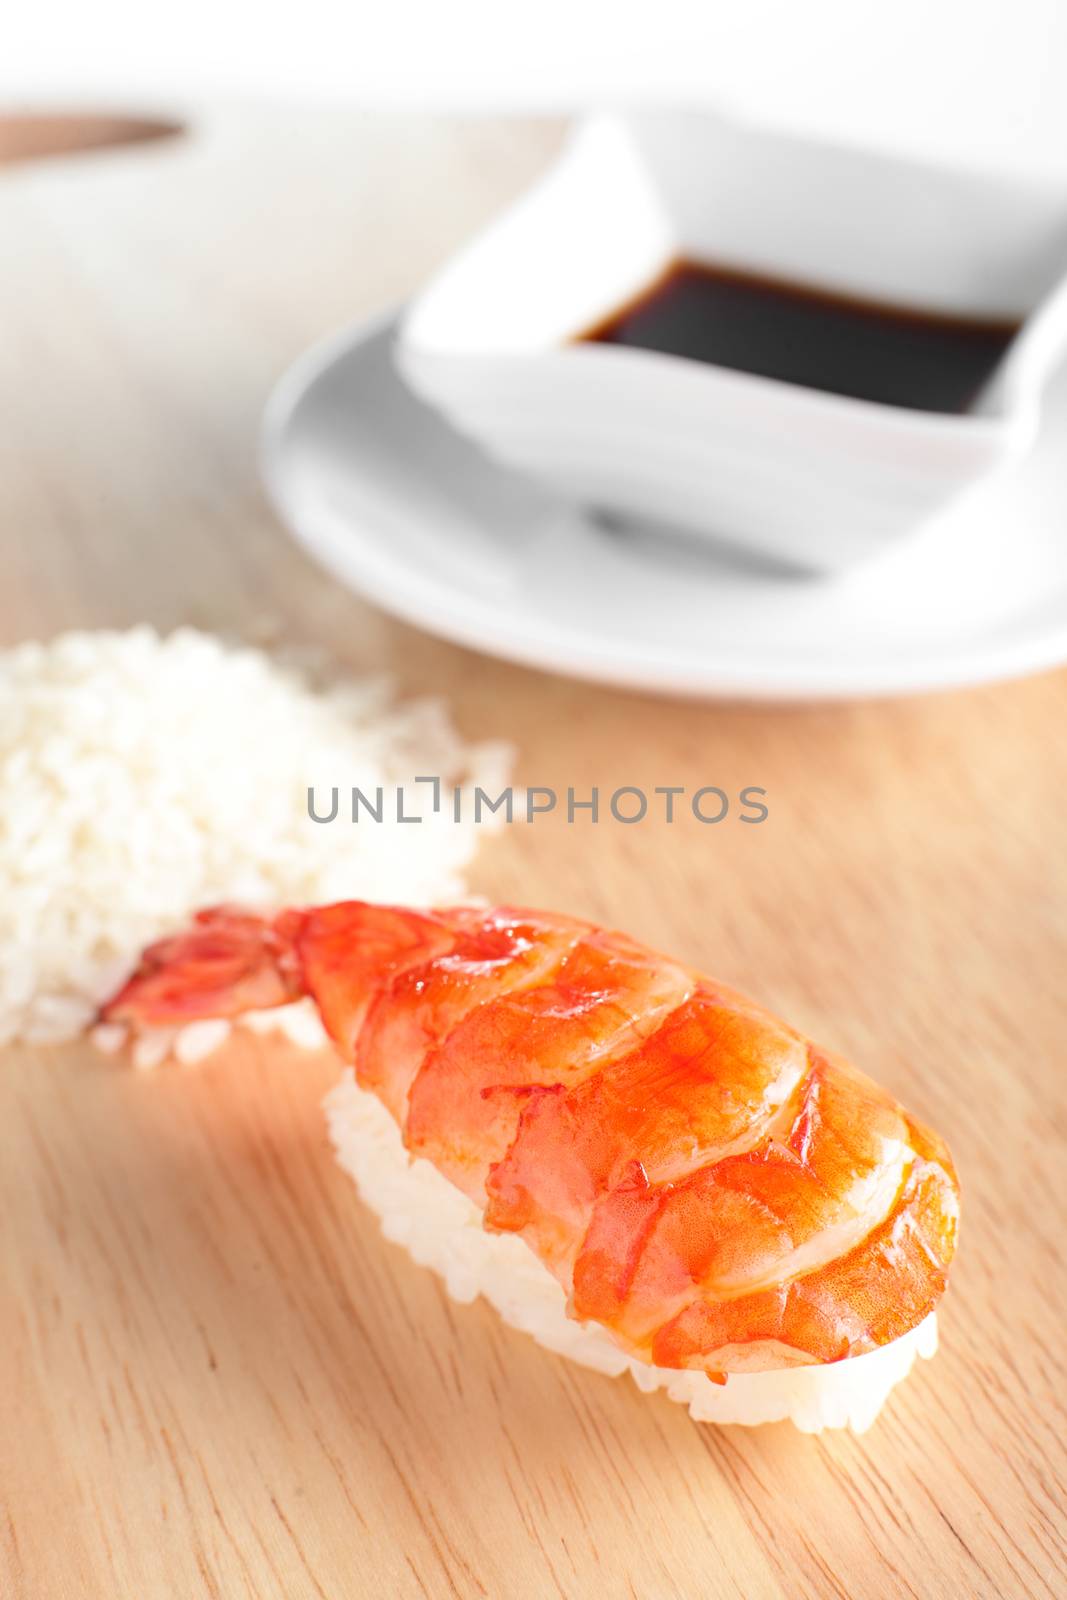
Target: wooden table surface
x=219 y=1380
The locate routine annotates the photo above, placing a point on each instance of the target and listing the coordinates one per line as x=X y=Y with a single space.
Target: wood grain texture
x=220 y=1380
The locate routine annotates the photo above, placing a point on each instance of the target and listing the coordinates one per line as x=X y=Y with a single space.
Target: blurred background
x=980 y=81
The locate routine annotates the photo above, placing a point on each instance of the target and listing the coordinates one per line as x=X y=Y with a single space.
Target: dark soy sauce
x=924 y=360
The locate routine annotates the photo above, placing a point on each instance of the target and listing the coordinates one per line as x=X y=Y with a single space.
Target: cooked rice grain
x=144 y=777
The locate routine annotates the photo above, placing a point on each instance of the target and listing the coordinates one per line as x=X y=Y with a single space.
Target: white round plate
x=400 y=508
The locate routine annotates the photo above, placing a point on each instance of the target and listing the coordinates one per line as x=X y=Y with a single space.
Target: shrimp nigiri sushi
x=640 y=1167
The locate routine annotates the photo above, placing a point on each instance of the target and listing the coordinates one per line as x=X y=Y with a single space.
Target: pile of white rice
x=441 y=1228
x=144 y=777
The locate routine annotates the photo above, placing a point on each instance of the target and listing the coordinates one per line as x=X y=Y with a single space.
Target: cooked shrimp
x=708 y=1186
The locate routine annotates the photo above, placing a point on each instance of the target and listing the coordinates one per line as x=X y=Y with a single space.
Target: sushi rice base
x=441 y=1228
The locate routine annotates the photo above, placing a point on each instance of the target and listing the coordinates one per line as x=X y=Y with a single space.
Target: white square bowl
x=816 y=480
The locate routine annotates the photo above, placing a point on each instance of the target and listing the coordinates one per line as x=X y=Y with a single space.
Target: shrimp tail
x=230 y=961
x=227 y=962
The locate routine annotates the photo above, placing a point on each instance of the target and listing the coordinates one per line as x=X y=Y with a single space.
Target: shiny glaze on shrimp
x=706 y=1184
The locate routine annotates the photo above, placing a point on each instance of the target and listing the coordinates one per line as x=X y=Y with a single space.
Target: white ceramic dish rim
x=1010 y=404
x=475 y=622
x=504 y=377
x=486 y=385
